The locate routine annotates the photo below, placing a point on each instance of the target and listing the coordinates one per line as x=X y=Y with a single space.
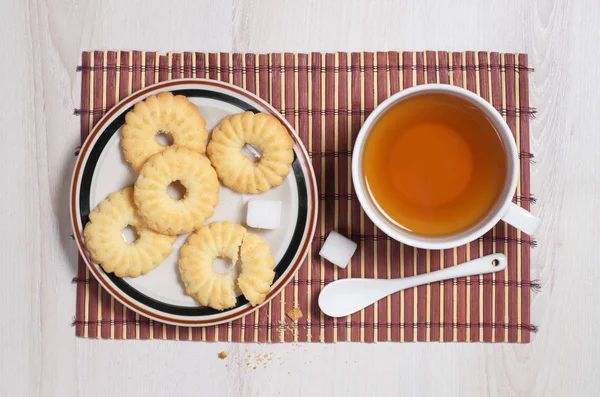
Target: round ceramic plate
x=101 y=169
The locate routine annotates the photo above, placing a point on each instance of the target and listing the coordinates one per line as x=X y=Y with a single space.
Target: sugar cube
x=338 y=249
x=263 y=214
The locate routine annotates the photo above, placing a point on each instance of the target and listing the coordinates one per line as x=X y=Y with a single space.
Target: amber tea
x=434 y=164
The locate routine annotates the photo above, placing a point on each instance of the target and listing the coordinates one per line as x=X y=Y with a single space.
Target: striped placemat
x=326 y=97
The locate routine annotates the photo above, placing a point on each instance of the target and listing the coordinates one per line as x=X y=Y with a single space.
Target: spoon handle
x=484 y=265
x=343 y=297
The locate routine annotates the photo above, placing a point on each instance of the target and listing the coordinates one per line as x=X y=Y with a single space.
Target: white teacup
x=503 y=209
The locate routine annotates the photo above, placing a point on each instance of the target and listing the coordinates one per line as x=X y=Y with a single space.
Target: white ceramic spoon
x=343 y=297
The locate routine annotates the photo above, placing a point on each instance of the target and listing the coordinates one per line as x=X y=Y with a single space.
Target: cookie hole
x=164 y=139
x=222 y=265
x=176 y=190
x=130 y=234
x=252 y=152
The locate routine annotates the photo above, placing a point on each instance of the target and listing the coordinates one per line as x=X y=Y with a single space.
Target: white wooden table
x=41 y=42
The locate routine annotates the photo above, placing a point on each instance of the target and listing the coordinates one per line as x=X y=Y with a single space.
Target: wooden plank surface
x=41 y=43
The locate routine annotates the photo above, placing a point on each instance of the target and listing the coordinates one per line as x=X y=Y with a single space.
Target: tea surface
x=434 y=164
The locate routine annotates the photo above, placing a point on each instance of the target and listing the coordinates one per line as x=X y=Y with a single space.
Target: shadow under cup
x=434 y=166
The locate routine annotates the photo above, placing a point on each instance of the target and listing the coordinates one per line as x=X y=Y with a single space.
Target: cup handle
x=521 y=219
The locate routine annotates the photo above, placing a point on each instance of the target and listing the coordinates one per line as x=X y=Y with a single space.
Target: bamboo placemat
x=326 y=97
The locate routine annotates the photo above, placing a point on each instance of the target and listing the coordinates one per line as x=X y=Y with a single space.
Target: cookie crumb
x=294 y=314
x=223 y=355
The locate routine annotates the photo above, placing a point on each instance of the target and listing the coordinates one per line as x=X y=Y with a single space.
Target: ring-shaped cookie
x=104 y=238
x=226 y=240
x=207 y=287
x=158 y=209
x=162 y=113
x=235 y=169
